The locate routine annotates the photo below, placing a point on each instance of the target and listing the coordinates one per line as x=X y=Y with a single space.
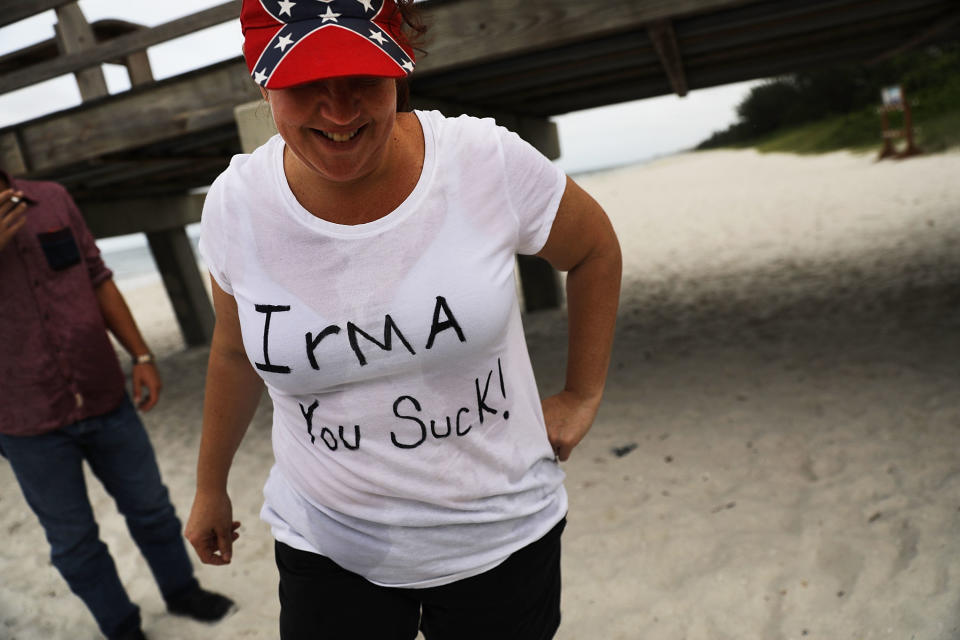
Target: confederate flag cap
x=291 y=42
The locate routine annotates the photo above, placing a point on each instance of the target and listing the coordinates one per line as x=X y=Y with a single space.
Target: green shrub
x=836 y=108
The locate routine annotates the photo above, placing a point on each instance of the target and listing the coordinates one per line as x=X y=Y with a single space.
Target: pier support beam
x=540 y=283
x=665 y=42
x=178 y=266
x=171 y=249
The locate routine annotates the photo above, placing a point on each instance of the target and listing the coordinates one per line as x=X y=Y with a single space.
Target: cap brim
x=331 y=51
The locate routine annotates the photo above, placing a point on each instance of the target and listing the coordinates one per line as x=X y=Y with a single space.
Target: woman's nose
x=339 y=102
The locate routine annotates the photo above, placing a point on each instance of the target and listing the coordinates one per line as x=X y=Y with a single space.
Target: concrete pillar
x=540 y=283
x=165 y=229
x=254 y=123
x=171 y=249
x=178 y=266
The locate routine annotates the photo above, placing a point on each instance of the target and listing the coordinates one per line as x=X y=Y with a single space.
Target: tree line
x=800 y=98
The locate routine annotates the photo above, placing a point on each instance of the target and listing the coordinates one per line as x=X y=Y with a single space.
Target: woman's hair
x=414 y=29
x=413 y=26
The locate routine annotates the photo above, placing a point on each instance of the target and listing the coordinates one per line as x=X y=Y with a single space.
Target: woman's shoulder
x=249 y=169
x=462 y=134
x=259 y=159
x=456 y=125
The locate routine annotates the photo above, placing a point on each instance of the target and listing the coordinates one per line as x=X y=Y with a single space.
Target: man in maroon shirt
x=63 y=401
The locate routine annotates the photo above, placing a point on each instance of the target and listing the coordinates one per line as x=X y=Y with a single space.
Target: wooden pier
x=132 y=159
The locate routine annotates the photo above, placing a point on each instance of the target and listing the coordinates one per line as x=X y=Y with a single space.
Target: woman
x=416 y=480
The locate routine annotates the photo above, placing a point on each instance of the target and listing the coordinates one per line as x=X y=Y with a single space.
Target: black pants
x=519 y=599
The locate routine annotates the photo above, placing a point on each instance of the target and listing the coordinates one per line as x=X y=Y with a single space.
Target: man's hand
x=146 y=375
x=12 y=218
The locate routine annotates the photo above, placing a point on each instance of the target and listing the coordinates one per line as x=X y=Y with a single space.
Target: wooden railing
x=84 y=52
x=460 y=30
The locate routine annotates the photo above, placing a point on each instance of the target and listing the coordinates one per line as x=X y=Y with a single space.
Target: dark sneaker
x=129 y=629
x=201 y=605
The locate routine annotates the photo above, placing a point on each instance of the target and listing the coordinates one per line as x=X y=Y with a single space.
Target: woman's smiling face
x=338 y=129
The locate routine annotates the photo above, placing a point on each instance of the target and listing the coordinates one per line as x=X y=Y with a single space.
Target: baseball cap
x=291 y=42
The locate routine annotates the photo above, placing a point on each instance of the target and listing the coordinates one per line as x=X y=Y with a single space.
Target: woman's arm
x=582 y=242
x=232 y=393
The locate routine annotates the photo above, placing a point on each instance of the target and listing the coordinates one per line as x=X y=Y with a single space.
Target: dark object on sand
x=624 y=450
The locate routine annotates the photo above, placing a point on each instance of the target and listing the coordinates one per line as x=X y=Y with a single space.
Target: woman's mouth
x=338 y=136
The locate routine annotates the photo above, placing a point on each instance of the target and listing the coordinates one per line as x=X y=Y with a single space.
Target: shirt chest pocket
x=60 y=248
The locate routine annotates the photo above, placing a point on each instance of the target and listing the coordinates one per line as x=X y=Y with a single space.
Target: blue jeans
x=49 y=469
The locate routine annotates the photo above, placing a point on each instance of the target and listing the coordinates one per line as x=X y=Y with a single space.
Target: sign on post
x=893 y=99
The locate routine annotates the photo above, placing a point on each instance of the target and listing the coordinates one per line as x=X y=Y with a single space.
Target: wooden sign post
x=894 y=100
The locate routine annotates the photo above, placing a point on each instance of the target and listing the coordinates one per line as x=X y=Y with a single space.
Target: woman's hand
x=211 y=528
x=568 y=418
x=232 y=393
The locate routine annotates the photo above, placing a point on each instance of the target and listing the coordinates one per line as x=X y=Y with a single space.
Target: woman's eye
x=368 y=82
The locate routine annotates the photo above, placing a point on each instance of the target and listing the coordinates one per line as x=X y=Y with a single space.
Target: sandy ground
x=777 y=456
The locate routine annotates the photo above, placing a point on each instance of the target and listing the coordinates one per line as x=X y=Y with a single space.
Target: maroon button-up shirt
x=57 y=364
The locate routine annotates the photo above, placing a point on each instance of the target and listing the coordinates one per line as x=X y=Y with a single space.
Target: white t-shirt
x=408 y=435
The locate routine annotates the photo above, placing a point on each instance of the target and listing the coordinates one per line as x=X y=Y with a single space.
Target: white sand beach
x=778 y=455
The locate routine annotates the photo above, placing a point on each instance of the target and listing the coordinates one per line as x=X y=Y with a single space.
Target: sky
x=589 y=140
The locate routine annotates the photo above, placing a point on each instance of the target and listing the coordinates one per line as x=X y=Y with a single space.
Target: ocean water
x=131 y=261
